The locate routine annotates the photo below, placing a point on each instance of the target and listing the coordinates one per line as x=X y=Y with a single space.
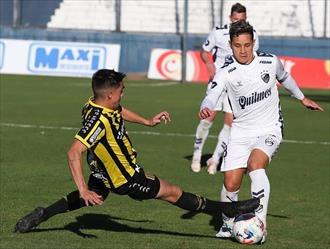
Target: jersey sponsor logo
x=265 y=76
x=206 y=43
x=137 y=168
x=90 y=122
x=265 y=62
x=232 y=69
x=239 y=83
x=2 y=54
x=45 y=57
x=95 y=134
x=254 y=98
x=263 y=54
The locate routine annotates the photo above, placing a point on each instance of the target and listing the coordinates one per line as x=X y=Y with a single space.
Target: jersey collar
x=92 y=103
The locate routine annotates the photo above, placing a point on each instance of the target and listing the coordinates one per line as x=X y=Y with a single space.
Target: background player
x=113 y=161
x=250 y=81
x=218 y=44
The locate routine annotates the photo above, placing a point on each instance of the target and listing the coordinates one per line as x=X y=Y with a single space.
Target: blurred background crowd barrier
x=291 y=29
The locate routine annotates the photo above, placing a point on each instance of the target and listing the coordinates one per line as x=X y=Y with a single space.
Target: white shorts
x=223 y=102
x=239 y=150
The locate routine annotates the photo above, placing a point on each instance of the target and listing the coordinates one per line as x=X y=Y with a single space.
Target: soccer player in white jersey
x=250 y=82
x=217 y=43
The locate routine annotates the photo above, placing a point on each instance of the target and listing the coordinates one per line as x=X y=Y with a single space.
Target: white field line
x=155 y=84
x=150 y=133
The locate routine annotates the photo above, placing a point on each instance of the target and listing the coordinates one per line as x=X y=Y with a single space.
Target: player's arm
x=291 y=86
x=74 y=157
x=213 y=95
x=206 y=53
x=205 y=56
x=133 y=117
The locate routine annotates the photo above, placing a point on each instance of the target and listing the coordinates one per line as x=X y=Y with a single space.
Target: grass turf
x=34 y=171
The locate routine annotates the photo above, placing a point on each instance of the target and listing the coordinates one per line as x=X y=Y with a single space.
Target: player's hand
x=310 y=104
x=211 y=69
x=91 y=198
x=205 y=113
x=158 y=118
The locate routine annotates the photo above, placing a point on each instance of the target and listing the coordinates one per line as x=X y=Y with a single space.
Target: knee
x=253 y=165
x=174 y=194
x=232 y=186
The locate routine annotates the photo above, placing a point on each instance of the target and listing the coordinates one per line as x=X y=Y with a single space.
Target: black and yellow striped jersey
x=104 y=134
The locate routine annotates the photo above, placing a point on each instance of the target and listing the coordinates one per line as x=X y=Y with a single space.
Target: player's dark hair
x=237 y=7
x=240 y=27
x=106 y=78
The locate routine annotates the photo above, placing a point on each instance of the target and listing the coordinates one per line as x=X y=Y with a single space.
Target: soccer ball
x=248 y=228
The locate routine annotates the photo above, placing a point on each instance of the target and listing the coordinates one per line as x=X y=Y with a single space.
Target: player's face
x=116 y=95
x=242 y=47
x=235 y=17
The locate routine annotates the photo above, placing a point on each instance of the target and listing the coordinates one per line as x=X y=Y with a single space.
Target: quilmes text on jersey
x=254 y=98
x=66 y=58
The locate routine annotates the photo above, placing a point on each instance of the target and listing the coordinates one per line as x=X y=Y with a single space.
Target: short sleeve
x=92 y=131
x=209 y=44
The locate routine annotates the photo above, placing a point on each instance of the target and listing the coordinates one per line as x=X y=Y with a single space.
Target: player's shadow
x=216 y=220
x=105 y=222
x=204 y=159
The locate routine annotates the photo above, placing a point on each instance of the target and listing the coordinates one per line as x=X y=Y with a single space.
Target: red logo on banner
x=169 y=64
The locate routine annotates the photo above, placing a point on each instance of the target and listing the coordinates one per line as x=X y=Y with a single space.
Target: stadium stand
x=270 y=18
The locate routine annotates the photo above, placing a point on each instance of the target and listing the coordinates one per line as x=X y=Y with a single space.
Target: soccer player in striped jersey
x=113 y=161
x=250 y=82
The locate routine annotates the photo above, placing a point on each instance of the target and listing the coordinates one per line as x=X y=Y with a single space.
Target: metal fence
x=284 y=18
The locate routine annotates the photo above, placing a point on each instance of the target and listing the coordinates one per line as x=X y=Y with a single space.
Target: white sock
x=222 y=143
x=260 y=188
x=202 y=132
x=227 y=196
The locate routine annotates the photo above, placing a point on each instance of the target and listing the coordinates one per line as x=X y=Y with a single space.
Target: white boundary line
x=150 y=133
x=151 y=84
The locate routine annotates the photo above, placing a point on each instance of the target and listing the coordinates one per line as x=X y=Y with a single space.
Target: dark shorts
x=142 y=186
x=97 y=185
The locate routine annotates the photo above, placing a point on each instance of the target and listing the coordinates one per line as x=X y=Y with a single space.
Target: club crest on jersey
x=270 y=140
x=265 y=76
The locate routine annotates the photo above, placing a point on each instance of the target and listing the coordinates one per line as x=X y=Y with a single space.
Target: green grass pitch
x=40 y=115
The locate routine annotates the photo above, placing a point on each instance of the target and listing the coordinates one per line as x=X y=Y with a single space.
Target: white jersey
x=252 y=94
x=218 y=43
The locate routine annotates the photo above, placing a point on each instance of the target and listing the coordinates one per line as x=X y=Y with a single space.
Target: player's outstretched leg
x=192 y=202
x=69 y=203
x=30 y=221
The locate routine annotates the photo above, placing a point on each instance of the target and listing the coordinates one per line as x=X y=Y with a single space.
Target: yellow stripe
x=129 y=149
x=82 y=140
x=116 y=148
x=115 y=175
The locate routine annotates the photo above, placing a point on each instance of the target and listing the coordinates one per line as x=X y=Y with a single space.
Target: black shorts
x=141 y=186
x=97 y=185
